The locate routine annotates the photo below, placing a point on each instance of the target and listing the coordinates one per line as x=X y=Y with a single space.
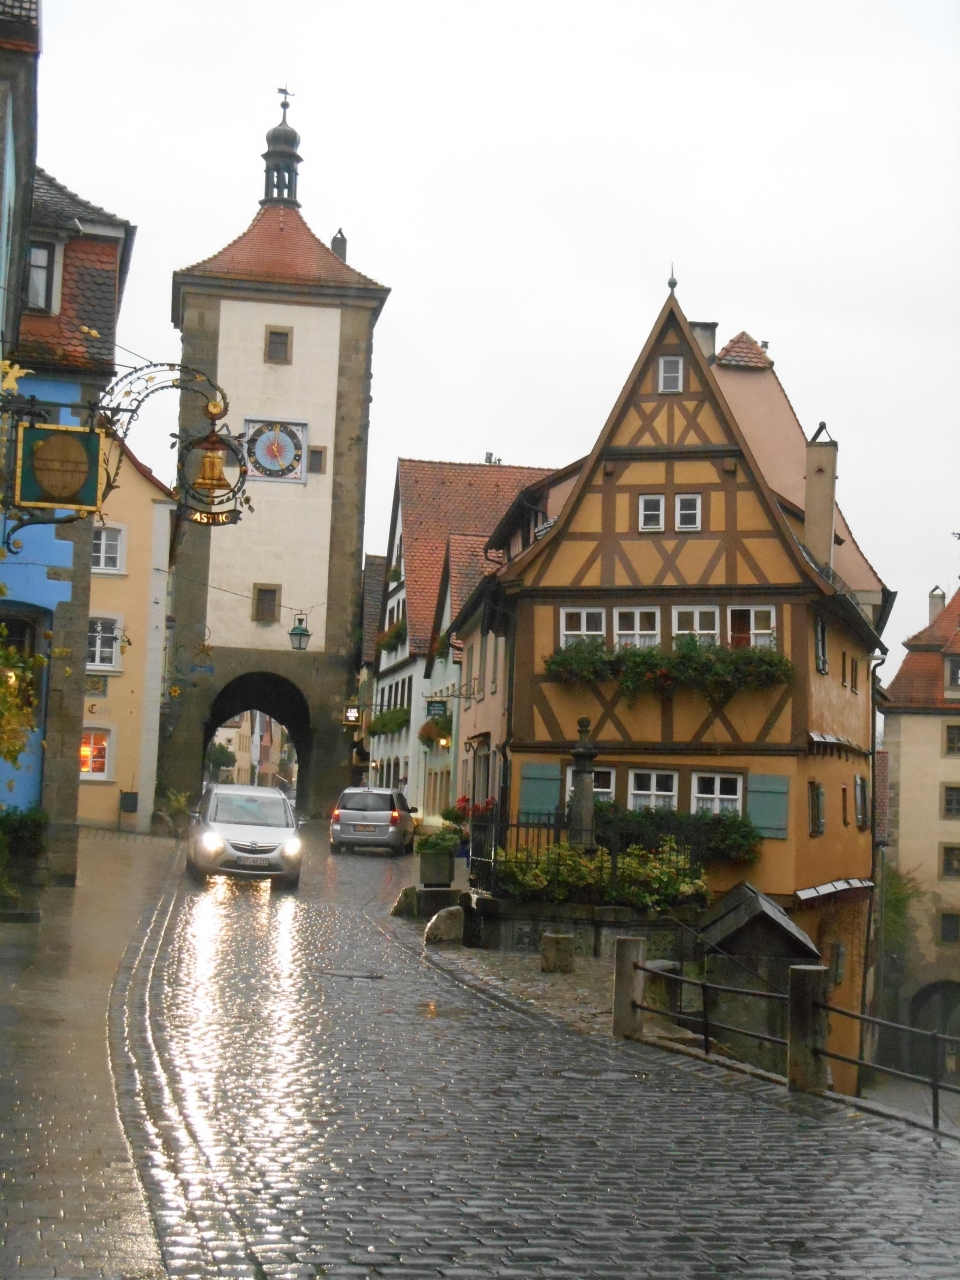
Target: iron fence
x=707 y=1024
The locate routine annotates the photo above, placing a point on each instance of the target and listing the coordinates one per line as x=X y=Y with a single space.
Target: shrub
x=393 y=637
x=219 y=756
x=446 y=840
x=457 y=814
x=704 y=837
x=392 y=721
x=23 y=832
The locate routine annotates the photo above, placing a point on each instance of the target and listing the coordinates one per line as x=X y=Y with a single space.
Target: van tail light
x=394 y=817
x=336 y=815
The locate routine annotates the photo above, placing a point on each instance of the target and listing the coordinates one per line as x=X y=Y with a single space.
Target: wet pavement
x=304 y=1095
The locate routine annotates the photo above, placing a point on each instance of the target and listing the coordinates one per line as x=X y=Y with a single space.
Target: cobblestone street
x=303 y=1096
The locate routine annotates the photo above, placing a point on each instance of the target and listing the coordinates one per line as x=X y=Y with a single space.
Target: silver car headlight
x=211 y=842
x=293 y=846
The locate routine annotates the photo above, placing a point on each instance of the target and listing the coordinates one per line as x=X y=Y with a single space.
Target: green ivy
x=391 y=721
x=716 y=672
x=393 y=637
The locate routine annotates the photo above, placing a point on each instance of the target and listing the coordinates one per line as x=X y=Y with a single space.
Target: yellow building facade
x=125 y=652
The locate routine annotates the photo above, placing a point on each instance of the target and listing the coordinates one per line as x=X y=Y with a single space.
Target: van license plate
x=255 y=862
x=365 y=826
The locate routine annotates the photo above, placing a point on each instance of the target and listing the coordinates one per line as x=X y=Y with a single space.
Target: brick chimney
x=938 y=599
x=819 y=503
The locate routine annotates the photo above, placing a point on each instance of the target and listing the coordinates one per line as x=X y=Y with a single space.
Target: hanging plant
x=393 y=637
x=393 y=721
x=432 y=730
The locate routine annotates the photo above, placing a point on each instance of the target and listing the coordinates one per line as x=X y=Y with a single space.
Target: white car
x=244 y=831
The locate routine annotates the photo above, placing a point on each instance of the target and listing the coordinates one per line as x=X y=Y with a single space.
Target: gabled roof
x=919 y=684
x=145 y=471
x=743 y=352
x=57 y=207
x=467 y=567
x=374 y=573
x=739 y=908
x=437 y=499
x=278 y=246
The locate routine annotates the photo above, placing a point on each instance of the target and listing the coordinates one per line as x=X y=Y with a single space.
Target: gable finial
x=672 y=281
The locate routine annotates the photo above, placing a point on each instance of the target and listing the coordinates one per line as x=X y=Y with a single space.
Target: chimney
x=339 y=245
x=819 y=502
x=938 y=599
x=705 y=332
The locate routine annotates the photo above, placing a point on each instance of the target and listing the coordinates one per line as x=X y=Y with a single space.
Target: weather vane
x=285 y=94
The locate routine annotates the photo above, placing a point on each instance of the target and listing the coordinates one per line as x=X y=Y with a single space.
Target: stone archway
x=276 y=697
x=936 y=1007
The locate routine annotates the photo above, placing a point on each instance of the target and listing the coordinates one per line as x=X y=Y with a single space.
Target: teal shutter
x=539 y=789
x=768 y=802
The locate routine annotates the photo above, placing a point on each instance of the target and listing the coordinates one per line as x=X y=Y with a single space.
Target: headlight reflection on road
x=282 y=1111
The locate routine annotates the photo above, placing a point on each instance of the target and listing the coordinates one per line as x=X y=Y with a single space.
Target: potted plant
x=437 y=852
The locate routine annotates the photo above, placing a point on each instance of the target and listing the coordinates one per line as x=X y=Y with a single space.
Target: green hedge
x=706 y=837
x=24 y=832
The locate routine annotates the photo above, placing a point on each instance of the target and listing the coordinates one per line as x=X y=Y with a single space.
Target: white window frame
x=117 y=632
x=121 y=531
x=699 y=802
x=111 y=735
x=663 y=375
x=661 y=501
x=704 y=637
x=568 y=637
x=601 y=793
x=654 y=792
x=635 y=638
x=768 y=638
x=687 y=528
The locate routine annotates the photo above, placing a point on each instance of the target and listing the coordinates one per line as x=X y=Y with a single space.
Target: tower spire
x=282 y=160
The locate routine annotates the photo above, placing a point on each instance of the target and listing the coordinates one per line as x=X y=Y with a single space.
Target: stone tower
x=286 y=327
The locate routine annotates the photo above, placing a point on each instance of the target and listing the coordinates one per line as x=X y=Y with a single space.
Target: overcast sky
x=522 y=175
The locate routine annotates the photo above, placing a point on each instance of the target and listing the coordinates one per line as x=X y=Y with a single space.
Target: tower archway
x=277 y=697
x=936 y=1007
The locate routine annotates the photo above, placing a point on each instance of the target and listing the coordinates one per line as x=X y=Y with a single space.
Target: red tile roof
x=467 y=567
x=919 y=684
x=438 y=499
x=278 y=245
x=743 y=352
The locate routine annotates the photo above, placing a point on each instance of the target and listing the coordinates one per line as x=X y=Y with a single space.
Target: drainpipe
x=874 y=859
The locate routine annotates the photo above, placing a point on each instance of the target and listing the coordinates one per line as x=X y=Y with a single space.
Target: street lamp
x=298 y=633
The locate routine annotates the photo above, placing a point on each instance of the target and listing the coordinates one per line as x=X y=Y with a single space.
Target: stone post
x=581 y=806
x=807 y=1029
x=628 y=985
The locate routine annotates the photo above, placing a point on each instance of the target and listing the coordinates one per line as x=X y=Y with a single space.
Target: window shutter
x=768 y=804
x=539 y=789
x=821 y=810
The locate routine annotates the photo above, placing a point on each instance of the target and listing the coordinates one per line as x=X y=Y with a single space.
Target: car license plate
x=255 y=862
x=365 y=826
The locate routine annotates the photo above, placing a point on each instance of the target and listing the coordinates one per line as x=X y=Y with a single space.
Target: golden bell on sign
x=211 y=477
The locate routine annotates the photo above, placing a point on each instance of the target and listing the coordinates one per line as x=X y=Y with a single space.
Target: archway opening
x=936 y=1008
x=258 y=733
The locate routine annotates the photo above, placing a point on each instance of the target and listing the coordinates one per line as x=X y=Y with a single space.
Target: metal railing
x=708 y=1024
x=936 y=1039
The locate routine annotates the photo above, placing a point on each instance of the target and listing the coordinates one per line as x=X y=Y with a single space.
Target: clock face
x=275 y=450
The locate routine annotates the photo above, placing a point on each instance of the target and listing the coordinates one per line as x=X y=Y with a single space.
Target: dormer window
x=40 y=278
x=953 y=673
x=671 y=374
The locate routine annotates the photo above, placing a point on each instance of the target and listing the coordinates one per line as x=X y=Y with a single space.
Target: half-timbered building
x=702 y=511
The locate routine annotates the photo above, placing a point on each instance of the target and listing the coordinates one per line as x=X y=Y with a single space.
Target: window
x=817 y=803
x=843 y=668
x=266 y=603
x=636 y=628
x=468 y=675
x=650 y=790
x=106 y=549
x=854 y=676
x=317 y=461
x=702 y=623
x=482 y=668
x=40 y=279
x=753 y=628
x=717 y=792
x=820 y=645
x=950 y=926
x=844 y=811
x=582 y=624
x=495 y=664
x=953 y=673
x=951 y=862
x=671 y=373
x=651 y=512
x=861 y=798
x=278 y=345
x=951 y=802
x=102 y=642
x=602 y=784
x=687 y=513
x=93 y=751
x=953 y=739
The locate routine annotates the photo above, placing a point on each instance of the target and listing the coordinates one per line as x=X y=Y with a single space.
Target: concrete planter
x=436 y=870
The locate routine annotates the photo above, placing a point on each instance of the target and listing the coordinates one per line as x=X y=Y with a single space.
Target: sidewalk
x=70 y=1201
